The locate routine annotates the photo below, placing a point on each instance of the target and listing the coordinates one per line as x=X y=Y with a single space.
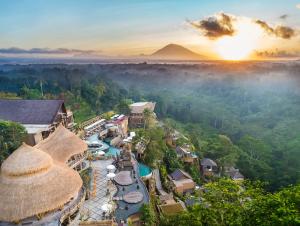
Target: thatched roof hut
x=32 y=183
x=62 y=144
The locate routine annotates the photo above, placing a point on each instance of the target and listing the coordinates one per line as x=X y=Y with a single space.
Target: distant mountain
x=176 y=52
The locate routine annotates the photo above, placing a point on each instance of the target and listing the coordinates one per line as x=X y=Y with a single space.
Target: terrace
x=131 y=194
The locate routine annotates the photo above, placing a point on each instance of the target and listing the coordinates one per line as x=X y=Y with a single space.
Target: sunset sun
x=240 y=45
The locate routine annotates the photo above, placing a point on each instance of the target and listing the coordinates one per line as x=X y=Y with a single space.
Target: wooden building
x=208 y=167
x=136 y=117
x=182 y=182
x=39 y=117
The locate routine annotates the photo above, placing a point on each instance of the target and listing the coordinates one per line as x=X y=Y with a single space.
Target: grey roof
x=178 y=174
x=30 y=111
x=235 y=174
x=208 y=162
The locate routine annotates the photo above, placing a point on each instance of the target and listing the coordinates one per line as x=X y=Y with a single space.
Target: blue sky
x=122 y=26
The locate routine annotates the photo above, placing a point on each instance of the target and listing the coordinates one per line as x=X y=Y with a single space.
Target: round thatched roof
x=62 y=144
x=32 y=183
x=26 y=160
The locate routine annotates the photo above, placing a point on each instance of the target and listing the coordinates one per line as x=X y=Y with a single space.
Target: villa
x=234 y=174
x=186 y=154
x=35 y=189
x=208 y=167
x=182 y=182
x=136 y=117
x=39 y=117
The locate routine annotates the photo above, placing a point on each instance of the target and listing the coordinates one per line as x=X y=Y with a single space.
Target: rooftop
x=41 y=112
x=139 y=107
x=32 y=183
x=208 y=162
x=179 y=174
x=172 y=208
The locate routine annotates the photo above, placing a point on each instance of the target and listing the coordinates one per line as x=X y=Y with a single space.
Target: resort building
x=234 y=174
x=168 y=206
x=35 y=189
x=95 y=126
x=182 y=182
x=39 y=117
x=208 y=167
x=65 y=147
x=184 y=152
x=121 y=121
x=136 y=117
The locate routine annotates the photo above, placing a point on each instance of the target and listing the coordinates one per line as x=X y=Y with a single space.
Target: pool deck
x=91 y=208
x=124 y=209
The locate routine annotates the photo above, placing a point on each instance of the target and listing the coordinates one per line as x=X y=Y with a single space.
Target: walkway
x=158 y=182
x=91 y=209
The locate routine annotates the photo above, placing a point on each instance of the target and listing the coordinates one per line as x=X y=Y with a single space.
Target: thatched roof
x=62 y=144
x=32 y=183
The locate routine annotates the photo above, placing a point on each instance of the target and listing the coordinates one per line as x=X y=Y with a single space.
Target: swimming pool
x=144 y=170
x=112 y=151
x=109 y=150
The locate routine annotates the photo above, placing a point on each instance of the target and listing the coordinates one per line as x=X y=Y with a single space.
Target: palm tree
x=147 y=114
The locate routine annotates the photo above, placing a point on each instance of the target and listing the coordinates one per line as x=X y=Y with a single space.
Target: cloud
x=277 y=54
x=15 y=50
x=284 y=16
x=215 y=26
x=298 y=6
x=279 y=31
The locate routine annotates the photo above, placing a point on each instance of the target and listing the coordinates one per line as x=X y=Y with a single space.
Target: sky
x=134 y=27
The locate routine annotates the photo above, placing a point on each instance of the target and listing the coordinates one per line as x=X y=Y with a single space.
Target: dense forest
x=242 y=114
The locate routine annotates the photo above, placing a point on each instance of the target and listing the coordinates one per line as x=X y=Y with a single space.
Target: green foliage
x=226 y=203
x=28 y=93
x=11 y=137
x=171 y=161
x=123 y=106
x=156 y=146
x=221 y=149
x=147 y=215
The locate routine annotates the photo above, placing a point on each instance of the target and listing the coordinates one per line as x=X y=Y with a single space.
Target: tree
x=123 y=107
x=147 y=215
x=12 y=135
x=148 y=115
x=226 y=203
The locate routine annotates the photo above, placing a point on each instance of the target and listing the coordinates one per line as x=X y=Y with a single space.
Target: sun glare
x=241 y=44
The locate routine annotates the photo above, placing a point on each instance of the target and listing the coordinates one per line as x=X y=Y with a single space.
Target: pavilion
x=65 y=147
x=37 y=190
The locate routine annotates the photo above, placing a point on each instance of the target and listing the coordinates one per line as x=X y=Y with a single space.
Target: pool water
x=112 y=151
x=144 y=170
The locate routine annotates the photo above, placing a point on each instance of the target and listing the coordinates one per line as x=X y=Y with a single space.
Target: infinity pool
x=144 y=170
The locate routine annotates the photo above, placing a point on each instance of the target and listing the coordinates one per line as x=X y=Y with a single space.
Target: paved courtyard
x=91 y=209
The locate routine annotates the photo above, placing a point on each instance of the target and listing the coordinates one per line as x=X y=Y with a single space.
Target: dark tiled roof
x=30 y=111
x=179 y=175
x=235 y=175
x=208 y=162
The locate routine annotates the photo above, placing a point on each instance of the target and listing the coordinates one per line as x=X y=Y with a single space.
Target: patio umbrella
x=111 y=167
x=111 y=175
x=100 y=152
x=106 y=207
